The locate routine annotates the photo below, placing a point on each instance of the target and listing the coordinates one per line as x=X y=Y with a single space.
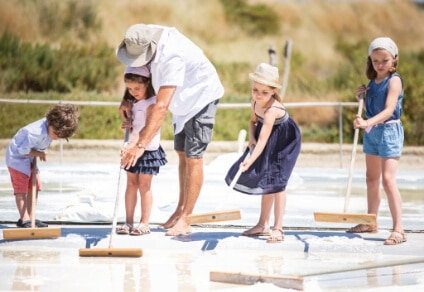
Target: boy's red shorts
x=22 y=184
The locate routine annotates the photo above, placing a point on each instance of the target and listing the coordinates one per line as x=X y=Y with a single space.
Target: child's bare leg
x=262 y=227
x=131 y=197
x=145 y=181
x=22 y=201
x=373 y=164
x=277 y=233
x=394 y=197
x=279 y=209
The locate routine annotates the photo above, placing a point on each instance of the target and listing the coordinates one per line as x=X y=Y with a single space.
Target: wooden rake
x=33 y=232
x=113 y=251
x=218 y=216
x=358 y=218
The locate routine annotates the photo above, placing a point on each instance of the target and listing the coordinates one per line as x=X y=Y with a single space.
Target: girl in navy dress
x=274 y=143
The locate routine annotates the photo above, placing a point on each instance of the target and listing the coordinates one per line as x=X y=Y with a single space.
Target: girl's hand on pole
x=359 y=123
x=244 y=165
x=361 y=89
x=247 y=161
x=126 y=124
x=125 y=109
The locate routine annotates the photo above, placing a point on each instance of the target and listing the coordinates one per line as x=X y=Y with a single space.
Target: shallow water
x=86 y=192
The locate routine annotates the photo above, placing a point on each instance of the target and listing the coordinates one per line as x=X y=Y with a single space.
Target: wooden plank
x=31 y=233
x=214 y=216
x=111 y=252
x=369 y=265
x=287 y=282
x=296 y=282
x=357 y=218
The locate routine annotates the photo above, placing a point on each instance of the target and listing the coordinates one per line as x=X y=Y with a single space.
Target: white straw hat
x=266 y=74
x=139 y=45
x=383 y=43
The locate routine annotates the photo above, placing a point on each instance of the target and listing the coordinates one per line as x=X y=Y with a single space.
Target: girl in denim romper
x=383 y=138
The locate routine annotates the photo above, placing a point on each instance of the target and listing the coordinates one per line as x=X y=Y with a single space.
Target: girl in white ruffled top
x=140 y=92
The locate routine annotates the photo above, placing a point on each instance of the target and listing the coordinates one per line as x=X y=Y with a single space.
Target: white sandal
x=124 y=229
x=141 y=229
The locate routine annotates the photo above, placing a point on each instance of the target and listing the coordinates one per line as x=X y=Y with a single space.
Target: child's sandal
x=141 y=229
x=363 y=228
x=124 y=229
x=395 y=237
x=276 y=238
x=263 y=231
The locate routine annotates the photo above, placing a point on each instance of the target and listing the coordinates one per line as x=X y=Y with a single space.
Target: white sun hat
x=266 y=74
x=383 y=43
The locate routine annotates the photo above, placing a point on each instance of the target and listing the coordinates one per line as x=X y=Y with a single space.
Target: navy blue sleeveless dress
x=272 y=169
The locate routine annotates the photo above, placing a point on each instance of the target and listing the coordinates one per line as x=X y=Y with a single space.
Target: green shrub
x=40 y=68
x=71 y=18
x=256 y=19
x=234 y=77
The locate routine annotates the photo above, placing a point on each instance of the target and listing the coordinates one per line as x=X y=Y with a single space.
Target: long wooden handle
x=127 y=135
x=239 y=172
x=34 y=191
x=115 y=211
x=353 y=156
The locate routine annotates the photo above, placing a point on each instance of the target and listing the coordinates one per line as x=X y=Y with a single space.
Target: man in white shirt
x=188 y=85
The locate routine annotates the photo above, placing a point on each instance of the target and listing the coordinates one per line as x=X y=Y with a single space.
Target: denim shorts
x=197 y=132
x=384 y=140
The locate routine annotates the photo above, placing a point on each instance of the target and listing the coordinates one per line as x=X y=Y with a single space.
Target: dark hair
x=63 y=118
x=130 y=77
x=372 y=74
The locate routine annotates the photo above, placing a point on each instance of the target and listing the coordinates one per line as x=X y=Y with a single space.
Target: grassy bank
x=330 y=40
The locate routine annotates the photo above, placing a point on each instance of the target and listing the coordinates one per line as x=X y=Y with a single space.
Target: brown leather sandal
x=362 y=228
x=396 y=237
x=276 y=238
x=263 y=231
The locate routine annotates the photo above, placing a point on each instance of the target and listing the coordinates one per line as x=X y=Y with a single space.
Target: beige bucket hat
x=139 y=45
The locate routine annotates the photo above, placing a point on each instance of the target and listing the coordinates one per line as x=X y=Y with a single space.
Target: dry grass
x=19 y=20
x=313 y=26
x=200 y=22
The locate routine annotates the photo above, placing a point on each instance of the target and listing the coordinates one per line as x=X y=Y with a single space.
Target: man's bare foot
x=170 y=222
x=182 y=227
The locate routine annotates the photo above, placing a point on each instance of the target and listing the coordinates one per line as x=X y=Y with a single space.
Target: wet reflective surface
x=183 y=263
x=86 y=192
x=321 y=253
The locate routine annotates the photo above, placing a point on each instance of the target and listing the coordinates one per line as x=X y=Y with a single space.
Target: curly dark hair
x=63 y=118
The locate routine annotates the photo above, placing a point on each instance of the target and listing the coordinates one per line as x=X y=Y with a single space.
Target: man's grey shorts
x=197 y=132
